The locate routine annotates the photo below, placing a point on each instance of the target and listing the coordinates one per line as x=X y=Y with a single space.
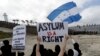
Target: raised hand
x=38 y=40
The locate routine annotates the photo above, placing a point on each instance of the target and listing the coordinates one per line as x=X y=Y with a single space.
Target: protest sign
x=53 y=31
x=18 y=40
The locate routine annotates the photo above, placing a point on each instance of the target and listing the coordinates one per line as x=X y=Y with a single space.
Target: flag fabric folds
x=68 y=12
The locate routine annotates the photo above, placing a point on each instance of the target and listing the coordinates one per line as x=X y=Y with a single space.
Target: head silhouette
x=76 y=46
x=21 y=54
x=41 y=50
x=6 y=49
x=57 y=48
x=6 y=42
x=34 y=51
x=70 y=52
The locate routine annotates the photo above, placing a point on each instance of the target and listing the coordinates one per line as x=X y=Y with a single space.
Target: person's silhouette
x=76 y=47
x=57 y=49
x=70 y=52
x=34 y=51
x=6 y=49
x=21 y=54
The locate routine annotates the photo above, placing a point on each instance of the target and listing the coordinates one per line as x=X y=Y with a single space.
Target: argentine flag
x=68 y=12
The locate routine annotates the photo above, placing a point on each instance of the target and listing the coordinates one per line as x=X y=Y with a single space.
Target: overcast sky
x=39 y=10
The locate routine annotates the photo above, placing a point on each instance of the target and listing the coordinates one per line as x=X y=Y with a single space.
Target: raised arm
x=38 y=47
x=73 y=41
x=63 y=47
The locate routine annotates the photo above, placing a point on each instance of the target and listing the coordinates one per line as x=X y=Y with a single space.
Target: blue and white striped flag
x=67 y=12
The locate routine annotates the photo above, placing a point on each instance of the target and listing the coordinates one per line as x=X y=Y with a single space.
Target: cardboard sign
x=19 y=34
x=52 y=32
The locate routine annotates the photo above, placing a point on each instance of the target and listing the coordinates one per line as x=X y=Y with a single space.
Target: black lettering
x=49 y=40
x=18 y=44
x=56 y=39
x=20 y=38
x=61 y=26
x=14 y=39
x=44 y=24
x=19 y=28
x=49 y=25
x=44 y=38
x=55 y=26
x=17 y=41
x=61 y=37
x=40 y=28
x=20 y=33
x=52 y=39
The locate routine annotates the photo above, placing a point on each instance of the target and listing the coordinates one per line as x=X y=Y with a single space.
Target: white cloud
x=80 y=3
x=90 y=15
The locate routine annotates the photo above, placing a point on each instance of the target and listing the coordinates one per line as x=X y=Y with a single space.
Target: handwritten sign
x=52 y=32
x=19 y=34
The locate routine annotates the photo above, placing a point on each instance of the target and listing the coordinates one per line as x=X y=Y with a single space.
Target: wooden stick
x=16 y=53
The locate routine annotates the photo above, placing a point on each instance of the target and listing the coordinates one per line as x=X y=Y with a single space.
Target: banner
x=18 y=40
x=52 y=32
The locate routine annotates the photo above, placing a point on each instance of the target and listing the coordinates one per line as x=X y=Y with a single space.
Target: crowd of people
x=6 y=50
x=39 y=50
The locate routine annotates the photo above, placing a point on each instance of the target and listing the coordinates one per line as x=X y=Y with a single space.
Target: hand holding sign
x=65 y=38
x=38 y=46
x=63 y=46
x=38 y=40
x=73 y=41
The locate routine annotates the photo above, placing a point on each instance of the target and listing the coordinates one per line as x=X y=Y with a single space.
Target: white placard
x=19 y=34
x=53 y=31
